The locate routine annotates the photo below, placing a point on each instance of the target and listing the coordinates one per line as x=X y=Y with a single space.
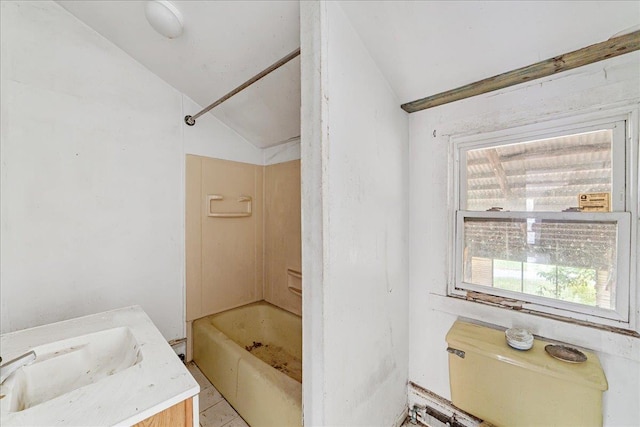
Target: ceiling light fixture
x=164 y=17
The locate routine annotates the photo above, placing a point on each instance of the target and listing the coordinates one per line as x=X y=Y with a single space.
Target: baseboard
x=179 y=345
x=402 y=418
x=427 y=408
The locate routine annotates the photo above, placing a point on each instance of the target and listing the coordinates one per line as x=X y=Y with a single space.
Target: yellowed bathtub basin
x=253 y=356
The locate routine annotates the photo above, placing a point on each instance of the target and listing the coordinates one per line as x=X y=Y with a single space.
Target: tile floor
x=215 y=411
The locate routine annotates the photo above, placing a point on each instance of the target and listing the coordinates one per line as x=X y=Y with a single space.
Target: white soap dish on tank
x=519 y=338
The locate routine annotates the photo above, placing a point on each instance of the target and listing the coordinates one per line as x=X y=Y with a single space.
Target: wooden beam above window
x=598 y=52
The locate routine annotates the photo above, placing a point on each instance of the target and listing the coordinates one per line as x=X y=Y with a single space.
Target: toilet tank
x=509 y=387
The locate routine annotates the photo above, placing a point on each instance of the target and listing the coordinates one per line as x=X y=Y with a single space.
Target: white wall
x=612 y=82
x=282 y=153
x=92 y=191
x=357 y=144
x=313 y=185
x=198 y=139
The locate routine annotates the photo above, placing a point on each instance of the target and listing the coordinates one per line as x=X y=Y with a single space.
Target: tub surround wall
x=236 y=261
x=282 y=243
x=224 y=255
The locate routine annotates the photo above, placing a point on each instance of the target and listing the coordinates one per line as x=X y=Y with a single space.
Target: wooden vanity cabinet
x=178 y=415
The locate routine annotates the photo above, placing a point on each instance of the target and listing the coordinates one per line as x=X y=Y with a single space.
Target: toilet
x=508 y=387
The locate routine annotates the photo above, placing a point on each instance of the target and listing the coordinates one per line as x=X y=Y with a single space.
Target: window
x=543 y=216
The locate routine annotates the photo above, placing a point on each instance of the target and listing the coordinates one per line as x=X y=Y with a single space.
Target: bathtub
x=253 y=356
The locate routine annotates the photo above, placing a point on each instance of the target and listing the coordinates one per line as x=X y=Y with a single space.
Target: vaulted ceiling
x=224 y=44
x=422 y=47
x=427 y=47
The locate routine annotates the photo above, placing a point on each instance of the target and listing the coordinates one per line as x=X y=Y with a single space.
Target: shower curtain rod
x=191 y=120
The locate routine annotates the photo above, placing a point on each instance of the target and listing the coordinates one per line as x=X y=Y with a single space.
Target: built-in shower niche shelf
x=294 y=281
x=220 y=198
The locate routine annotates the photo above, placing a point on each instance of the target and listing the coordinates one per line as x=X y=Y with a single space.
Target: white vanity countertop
x=158 y=381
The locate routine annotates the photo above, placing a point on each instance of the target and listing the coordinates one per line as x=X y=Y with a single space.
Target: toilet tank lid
x=489 y=342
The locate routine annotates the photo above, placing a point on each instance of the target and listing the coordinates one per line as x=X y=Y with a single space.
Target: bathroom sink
x=63 y=366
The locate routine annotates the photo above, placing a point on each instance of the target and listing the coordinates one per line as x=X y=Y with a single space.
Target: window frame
x=624 y=198
x=538 y=303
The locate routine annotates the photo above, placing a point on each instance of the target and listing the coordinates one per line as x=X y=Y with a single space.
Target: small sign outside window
x=594 y=202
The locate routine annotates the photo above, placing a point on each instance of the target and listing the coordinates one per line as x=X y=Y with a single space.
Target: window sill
x=590 y=336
